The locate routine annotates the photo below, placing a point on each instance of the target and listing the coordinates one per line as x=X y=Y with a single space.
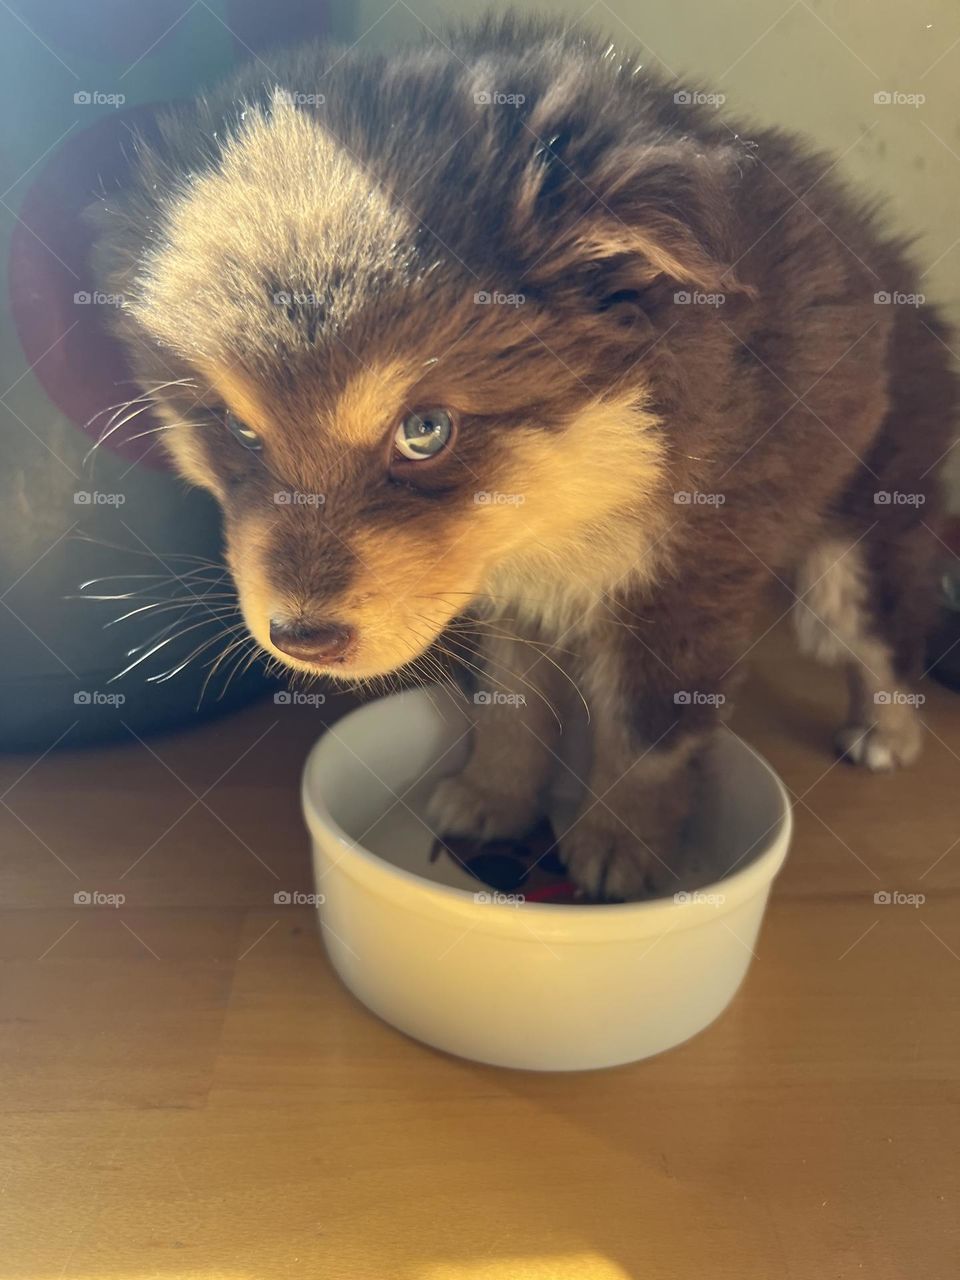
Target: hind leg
x=838 y=621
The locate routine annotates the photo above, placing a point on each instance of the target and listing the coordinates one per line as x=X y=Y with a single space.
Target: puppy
x=509 y=342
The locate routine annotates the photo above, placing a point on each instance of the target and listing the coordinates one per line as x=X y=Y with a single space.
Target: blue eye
x=240 y=431
x=423 y=434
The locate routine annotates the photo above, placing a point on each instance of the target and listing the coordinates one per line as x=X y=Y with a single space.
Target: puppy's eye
x=240 y=431
x=423 y=434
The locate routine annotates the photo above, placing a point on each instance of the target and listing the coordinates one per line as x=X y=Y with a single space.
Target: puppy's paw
x=609 y=862
x=461 y=807
x=881 y=747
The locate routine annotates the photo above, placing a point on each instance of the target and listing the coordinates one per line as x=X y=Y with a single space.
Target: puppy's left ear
x=629 y=217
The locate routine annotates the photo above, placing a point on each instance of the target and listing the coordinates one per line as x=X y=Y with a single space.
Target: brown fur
x=313 y=269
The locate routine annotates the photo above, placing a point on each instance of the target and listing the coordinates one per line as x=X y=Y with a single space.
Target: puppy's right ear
x=128 y=217
x=627 y=216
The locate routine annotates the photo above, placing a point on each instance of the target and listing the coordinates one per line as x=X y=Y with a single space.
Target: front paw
x=882 y=747
x=611 y=862
x=461 y=807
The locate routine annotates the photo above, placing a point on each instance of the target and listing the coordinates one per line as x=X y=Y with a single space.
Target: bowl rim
x=755 y=876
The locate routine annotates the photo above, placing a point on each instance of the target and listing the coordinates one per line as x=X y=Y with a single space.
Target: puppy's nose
x=319 y=642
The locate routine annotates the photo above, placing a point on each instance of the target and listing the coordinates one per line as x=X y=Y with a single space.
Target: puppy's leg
x=656 y=693
x=499 y=793
x=835 y=623
x=625 y=840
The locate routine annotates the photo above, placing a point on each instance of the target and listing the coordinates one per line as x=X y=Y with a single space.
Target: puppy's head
x=394 y=388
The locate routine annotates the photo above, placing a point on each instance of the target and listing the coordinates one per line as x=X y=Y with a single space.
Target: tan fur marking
x=182 y=445
x=612 y=241
x=592 y=491
x=369 y=404
x=240 y=396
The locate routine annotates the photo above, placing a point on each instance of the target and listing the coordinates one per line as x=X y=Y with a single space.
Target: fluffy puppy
x=513 y=331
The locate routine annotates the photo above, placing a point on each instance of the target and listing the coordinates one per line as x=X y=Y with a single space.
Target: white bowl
x=535 y=985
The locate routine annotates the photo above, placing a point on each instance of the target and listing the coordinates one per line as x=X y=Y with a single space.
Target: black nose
x=319 y=642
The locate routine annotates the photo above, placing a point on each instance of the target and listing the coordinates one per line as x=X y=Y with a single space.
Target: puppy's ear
x=627 y=217
x=115 y=245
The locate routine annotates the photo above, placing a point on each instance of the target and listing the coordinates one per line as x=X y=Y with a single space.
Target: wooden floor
x=187 y=1091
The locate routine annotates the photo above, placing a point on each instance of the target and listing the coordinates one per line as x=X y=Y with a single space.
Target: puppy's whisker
x=200 y=649
x=118 y=577
x=543 y=652
x=483 y=672
x=486 y=673
x=215 y=664
x=120 y=407
x=527 y=684
x=204 y=622
x=255 y=654
x=151 y=431
x=236 y=667
x=164 y=426
x=127 y=595
x=479 y=626
x=126 y=413
x=433 y=674
x=487 y=626
x=160 y=607
x=613 y=605
x=154 y=387
x=162 y=631
x=117 y=423
x=141 y=593
x=161 y=558
x=162 y=676
x=165 y=630
x=146 y=392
